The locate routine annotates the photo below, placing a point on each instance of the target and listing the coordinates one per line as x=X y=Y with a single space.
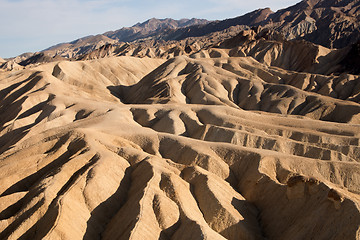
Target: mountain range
x=316 y=21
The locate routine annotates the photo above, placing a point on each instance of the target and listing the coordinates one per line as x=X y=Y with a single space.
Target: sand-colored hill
x=243 y=82
x=209 y=146
x=267 y=47
x=78 y=47
x=233 y=129
x=10 y=66
x=40 y=58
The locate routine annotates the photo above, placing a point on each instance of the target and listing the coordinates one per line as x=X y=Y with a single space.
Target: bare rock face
x=330 y=23
x=351 y=60
x=10 y=65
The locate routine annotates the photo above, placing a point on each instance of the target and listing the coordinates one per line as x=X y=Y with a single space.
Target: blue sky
x=33 y=25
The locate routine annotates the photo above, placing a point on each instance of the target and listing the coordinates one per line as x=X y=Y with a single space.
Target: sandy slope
x=230 y=148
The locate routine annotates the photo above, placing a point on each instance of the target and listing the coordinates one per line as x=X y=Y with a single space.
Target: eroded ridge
x=222 y=152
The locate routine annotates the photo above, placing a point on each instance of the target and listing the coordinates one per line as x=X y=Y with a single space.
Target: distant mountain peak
x=150 y=26
x=330 y=23
x=156 y=23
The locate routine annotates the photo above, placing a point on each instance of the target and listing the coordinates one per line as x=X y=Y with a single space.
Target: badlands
x=249 y=136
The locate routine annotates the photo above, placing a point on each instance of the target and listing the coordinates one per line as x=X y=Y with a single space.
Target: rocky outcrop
x=332 y=24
